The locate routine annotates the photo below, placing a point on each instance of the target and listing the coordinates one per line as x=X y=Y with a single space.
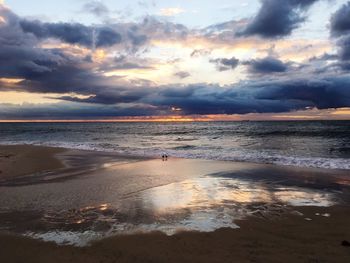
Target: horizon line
x=157 y=120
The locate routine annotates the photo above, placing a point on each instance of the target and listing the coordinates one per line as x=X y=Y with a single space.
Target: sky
x=174 y=60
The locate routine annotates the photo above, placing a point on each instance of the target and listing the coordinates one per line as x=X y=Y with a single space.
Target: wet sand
x=287 y=239
x=284 y=214
x=19 y=160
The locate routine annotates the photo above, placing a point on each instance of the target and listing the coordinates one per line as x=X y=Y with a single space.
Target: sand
x=68 y=179
x=19 y=160
x=289 y=239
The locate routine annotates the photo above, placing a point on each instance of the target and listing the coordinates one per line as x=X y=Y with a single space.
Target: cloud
x=147 y=4
x=272 y=96
x=55 y=70
x=70 y=110
x=340 y=21
x=256 y=96
x=27 y=62
x=182 y=74
x=45 y=70
x=340 y=29
x=200 y=52
x=344 y=45
x=345 y=66
x=331 y=92
x=19 y=56
x=224 y=64
x=266 y=65
x=171 y=11
x=106 y=37
x=125 y=62
x=73 y=33
x=131 y=36
x=52 y=70
x=110 y=96
x=277 y=18
x=96 y=8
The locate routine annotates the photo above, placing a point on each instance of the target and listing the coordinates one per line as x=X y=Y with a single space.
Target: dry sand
x=289 y=238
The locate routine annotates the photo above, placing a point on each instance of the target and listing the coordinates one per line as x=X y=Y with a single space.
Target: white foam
x=198 y=222
x=209 y=154
x=78 y=239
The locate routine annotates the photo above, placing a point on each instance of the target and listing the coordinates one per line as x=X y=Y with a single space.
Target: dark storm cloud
x=73 y=33
x=224 y=64
x=19 y=56
x=344 y=47
x=44 y=70
x=69 y=110
x=266 y=65
x=340 y=29
x=346 y=65
x=277 y=18
x=178 y=92
x=129 y=36
x=323 y=93
x=111 y=96
x=50 y=71
x=24 y=62
x=260 y=96
x=340 y=21
x=245 y=97
x=107 y=37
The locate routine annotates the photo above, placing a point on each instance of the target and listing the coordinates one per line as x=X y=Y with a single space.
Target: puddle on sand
x=200 y=204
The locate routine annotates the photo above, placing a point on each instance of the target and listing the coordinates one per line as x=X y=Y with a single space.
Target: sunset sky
x=174 y=60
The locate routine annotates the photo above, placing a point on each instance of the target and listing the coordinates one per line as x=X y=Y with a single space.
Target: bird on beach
x=164 y=156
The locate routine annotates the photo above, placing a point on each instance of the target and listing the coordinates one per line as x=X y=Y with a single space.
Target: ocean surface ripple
x=322 y=144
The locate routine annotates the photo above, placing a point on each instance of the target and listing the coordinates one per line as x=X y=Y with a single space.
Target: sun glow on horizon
x=311 y=114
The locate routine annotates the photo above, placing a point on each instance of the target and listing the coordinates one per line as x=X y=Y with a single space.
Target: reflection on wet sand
x=221 y=200
x=202 y=204
x=211 y=192
x=143 y=196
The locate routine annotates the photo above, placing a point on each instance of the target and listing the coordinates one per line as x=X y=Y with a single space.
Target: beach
x=289 y=239
x=86 y=206
x=174 y=131
x=22 y=160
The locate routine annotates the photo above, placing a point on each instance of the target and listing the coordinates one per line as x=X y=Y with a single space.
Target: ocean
x=321 y=144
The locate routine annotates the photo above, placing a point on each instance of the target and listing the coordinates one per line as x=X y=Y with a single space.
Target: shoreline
x=45 y=164
x=89 y=189
x=57 y=152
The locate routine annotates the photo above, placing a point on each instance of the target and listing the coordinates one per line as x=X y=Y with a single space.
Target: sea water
x=322 y=144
